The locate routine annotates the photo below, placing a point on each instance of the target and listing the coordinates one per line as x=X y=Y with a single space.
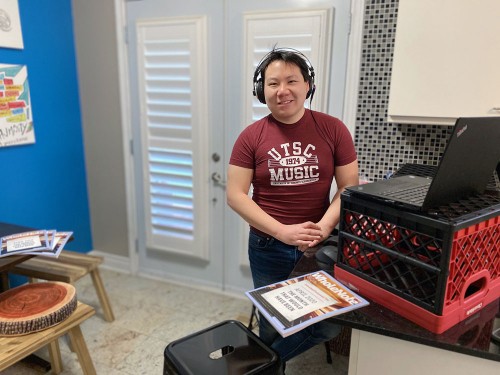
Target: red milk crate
x=434 y=269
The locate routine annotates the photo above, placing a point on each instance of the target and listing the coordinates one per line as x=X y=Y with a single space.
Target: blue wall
x=44 y=184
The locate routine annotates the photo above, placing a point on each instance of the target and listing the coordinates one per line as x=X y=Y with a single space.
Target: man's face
x=285 y=91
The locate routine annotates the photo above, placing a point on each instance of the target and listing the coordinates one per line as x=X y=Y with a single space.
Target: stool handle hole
x=219 y=353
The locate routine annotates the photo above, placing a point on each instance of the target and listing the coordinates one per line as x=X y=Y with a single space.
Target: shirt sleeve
x=345 y=152
x=243 y=151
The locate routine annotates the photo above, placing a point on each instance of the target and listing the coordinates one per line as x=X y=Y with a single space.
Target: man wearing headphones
x=290 y=157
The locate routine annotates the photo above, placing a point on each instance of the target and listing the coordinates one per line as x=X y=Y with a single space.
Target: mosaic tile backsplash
x=384 y=147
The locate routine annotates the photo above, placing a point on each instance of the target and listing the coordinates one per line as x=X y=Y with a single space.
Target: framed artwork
x=16 y=122
x=10 y=25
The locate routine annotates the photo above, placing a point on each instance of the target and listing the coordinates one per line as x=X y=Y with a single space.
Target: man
x=291 y=158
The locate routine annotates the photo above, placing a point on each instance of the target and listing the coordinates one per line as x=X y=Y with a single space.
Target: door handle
x=217 y=179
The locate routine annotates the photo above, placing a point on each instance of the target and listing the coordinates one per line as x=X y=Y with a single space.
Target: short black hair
x=289 y=56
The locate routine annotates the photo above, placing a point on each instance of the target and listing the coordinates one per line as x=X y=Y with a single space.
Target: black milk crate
x=435 y=269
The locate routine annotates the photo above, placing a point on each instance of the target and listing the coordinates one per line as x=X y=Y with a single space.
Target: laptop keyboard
x=413 y=195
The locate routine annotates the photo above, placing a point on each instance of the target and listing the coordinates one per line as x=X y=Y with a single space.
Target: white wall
x=97 y=60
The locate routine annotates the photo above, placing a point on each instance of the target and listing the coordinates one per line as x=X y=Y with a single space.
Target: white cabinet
x=446 y=61
x=373 y=354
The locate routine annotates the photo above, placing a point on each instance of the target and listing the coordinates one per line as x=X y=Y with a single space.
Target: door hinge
x=125 y=34
x=137 y=246
x=131 y=146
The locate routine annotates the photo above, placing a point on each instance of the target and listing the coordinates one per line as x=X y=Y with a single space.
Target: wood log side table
x=34 y=307
x=35 y=315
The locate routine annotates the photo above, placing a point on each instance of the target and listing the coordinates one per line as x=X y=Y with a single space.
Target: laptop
x=467 y=164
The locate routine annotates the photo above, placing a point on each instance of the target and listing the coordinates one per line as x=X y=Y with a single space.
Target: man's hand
x=303 y=235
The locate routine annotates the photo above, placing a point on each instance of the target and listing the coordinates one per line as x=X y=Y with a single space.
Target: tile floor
x=149 y=315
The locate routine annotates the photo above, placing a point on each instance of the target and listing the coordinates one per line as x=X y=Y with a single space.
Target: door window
x=173 y=122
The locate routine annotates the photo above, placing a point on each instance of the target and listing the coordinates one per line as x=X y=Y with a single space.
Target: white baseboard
x=123 y=264
x=114 y=262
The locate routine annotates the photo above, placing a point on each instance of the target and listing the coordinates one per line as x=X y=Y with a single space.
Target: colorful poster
x=10 y=25
x=16 y=123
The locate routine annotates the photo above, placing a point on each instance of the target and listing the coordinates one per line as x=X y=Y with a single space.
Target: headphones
x=288 y=55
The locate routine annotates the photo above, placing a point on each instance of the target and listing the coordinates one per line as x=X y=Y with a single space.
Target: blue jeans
x=272 y=261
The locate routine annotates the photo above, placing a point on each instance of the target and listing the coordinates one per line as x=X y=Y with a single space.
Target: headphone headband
x=275 y=54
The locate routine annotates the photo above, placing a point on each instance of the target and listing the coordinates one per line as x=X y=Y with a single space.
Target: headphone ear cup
x=311 y=91
x=312 y=85
x=259 y=91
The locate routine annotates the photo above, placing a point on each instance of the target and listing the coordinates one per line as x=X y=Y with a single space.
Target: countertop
x=471 y=336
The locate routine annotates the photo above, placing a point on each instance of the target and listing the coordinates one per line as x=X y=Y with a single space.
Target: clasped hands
x=304 y=235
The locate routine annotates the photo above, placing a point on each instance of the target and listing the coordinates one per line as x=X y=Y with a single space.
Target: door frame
x=349 y=110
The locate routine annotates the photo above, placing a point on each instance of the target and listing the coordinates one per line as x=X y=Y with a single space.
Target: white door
x=190 y=67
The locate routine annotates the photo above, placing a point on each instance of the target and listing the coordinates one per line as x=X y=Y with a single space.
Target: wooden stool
x=15 y=348
x=69 y=267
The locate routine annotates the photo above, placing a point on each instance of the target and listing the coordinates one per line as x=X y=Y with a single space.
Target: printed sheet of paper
x=40 y=242
x=24 y=242
x=16 y=120
x=58 y=240
x=298 y=299
x=11 y=35
x=294 y=304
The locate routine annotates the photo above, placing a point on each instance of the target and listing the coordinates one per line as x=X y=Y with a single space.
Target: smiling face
x=285 y=90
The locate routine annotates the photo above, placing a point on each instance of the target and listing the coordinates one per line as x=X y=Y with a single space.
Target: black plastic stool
x=225 y=348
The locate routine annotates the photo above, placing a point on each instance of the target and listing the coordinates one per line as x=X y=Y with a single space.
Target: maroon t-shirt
x=294 y=164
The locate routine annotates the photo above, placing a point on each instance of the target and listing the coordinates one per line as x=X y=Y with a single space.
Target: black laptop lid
x=465 y=169
x=468 y=161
